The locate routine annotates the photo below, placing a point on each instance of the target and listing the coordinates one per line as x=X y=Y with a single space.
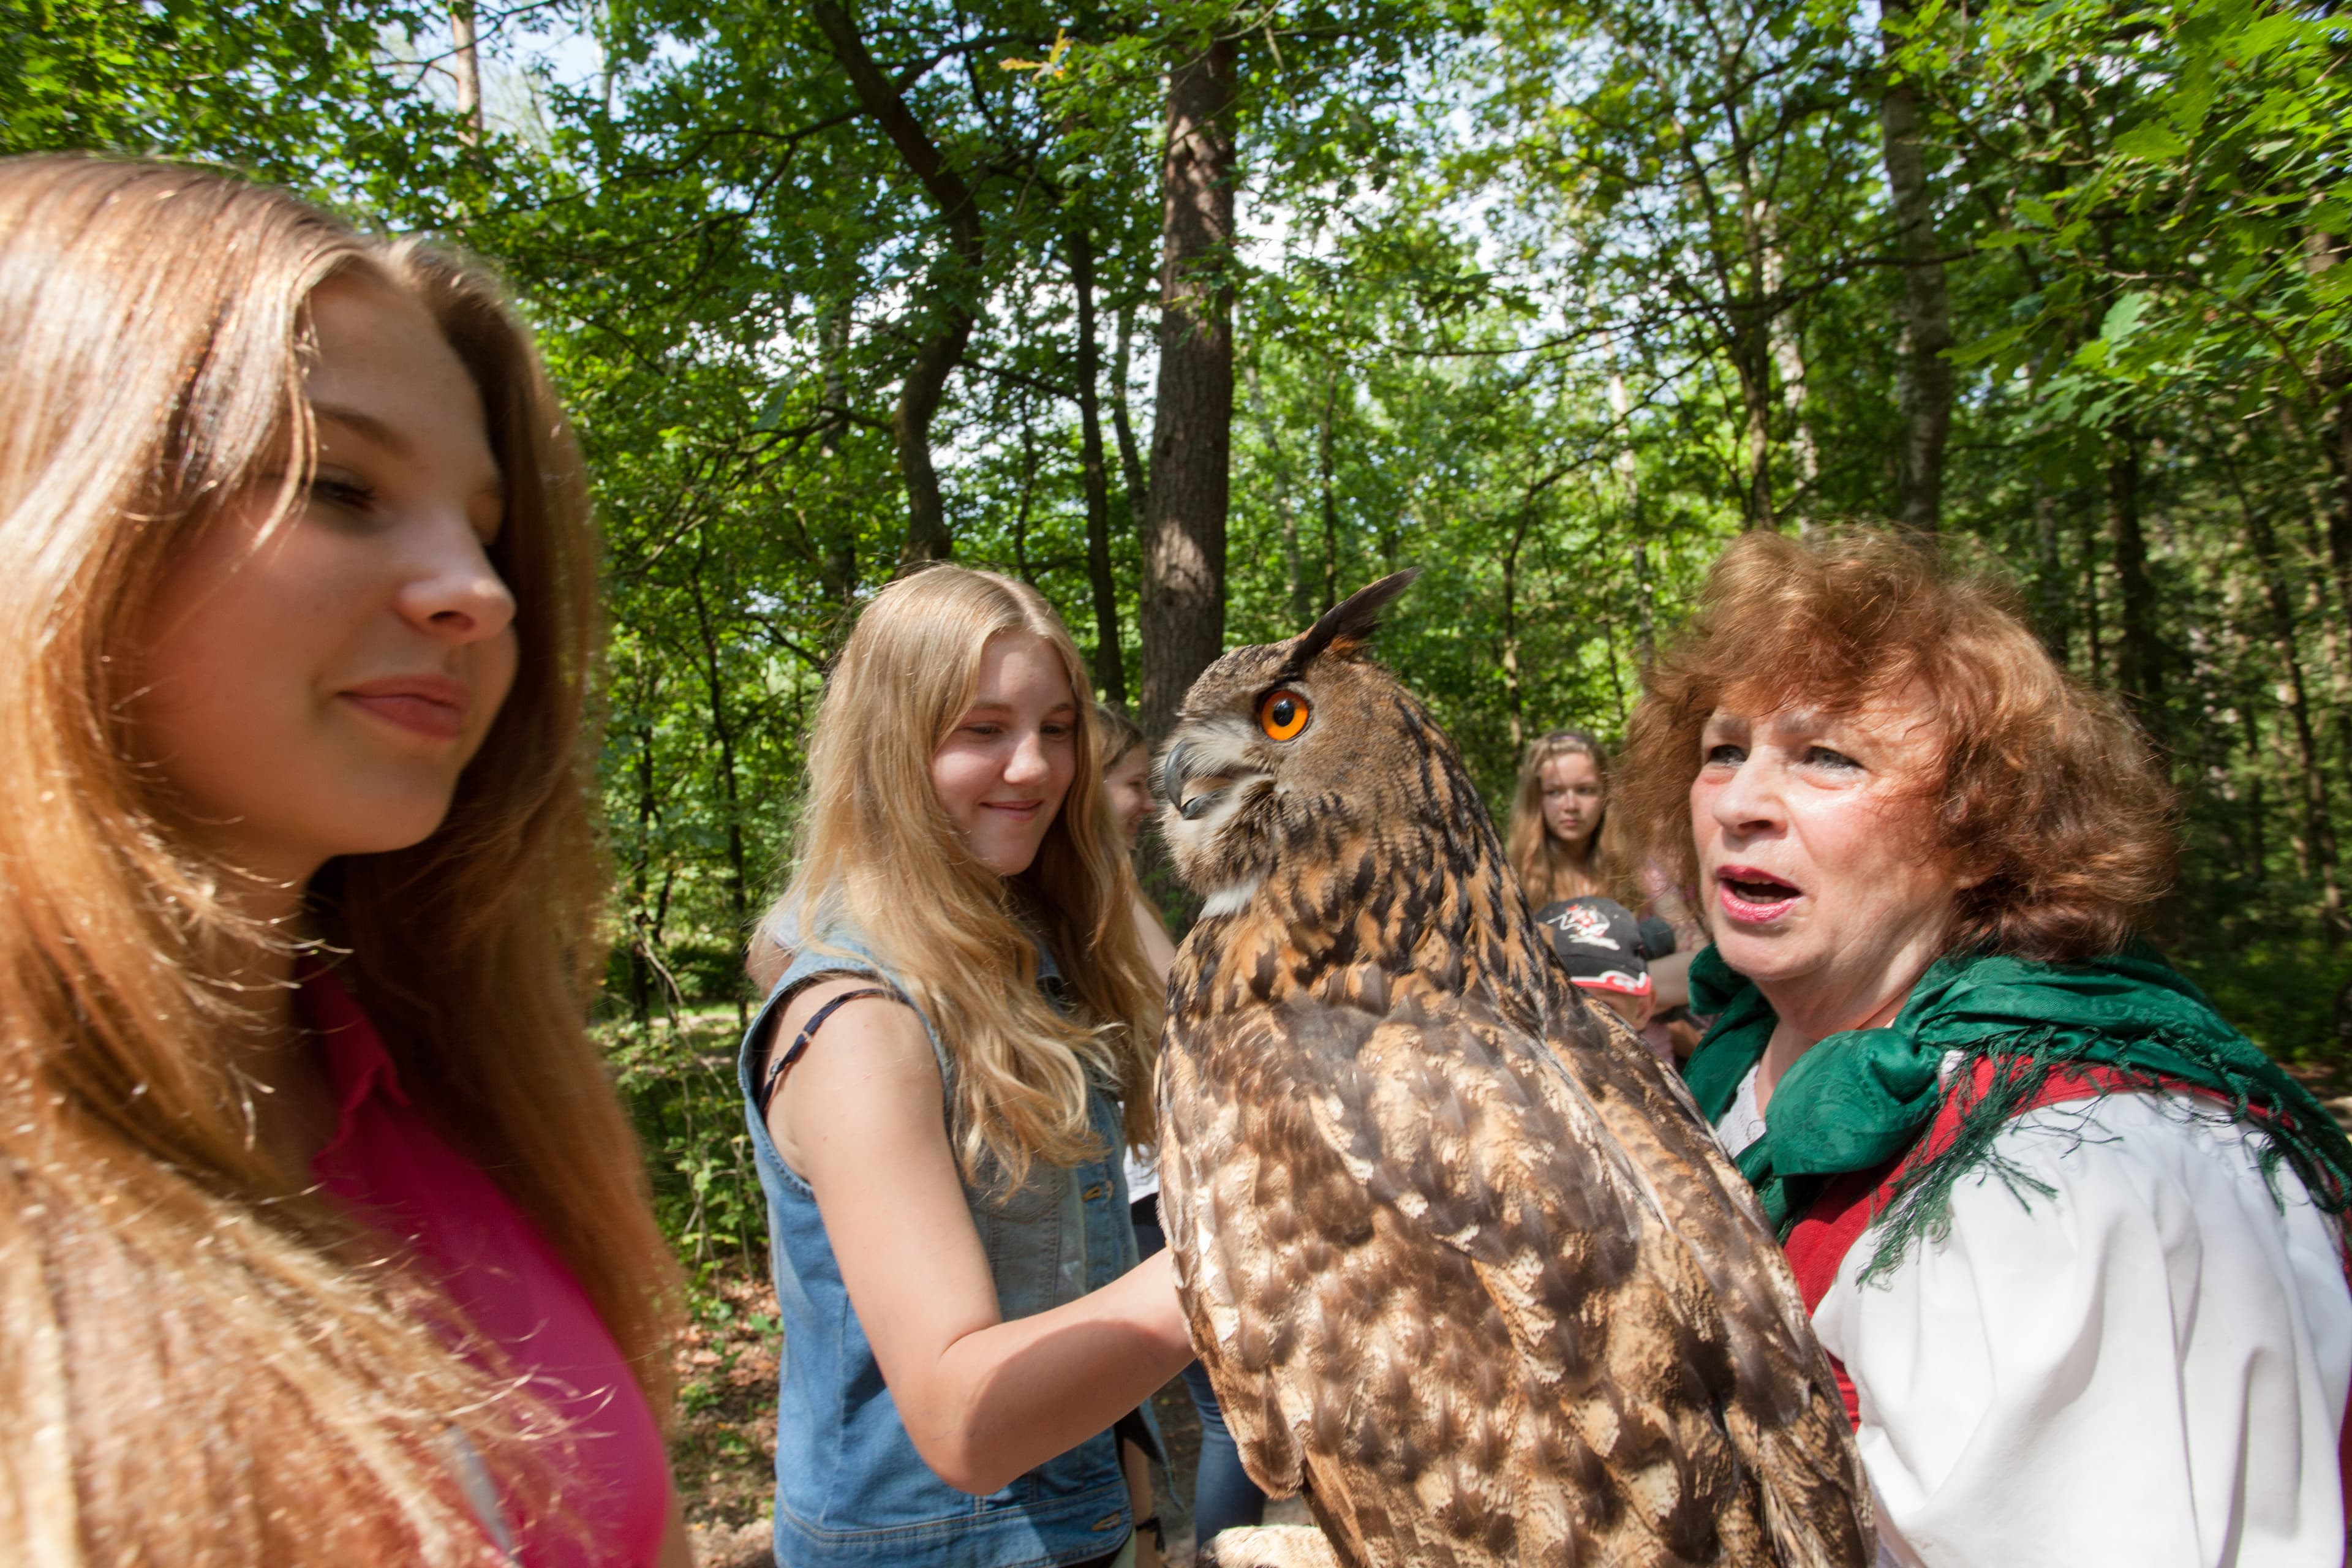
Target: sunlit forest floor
x=679 y=1076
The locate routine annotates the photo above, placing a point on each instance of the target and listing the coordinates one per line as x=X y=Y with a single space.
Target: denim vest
x=850 y=1486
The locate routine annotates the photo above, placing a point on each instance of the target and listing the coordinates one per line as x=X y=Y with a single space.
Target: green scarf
x=1859 y=1098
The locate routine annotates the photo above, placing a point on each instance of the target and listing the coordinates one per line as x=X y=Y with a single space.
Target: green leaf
x=2123 y=319
x=2151 y=141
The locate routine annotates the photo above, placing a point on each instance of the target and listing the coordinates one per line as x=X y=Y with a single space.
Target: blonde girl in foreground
x=321 y=1237
x=960 y=1006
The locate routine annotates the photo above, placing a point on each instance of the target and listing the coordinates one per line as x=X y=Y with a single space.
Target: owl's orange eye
x=1282 y=715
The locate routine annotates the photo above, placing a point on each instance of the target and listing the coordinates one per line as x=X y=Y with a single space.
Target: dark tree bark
x=2340 y=517
x=2049 y=573
x=1756 y=397
x=1514 y=696
x=2089 y=549
x=950 y=287
x=1183 y=600
x=641 y=975
x=1110 y=662
x=2319 y=828
x=722 y=730
x=1923 y=377
x=1131 y=476
x=2139 y=656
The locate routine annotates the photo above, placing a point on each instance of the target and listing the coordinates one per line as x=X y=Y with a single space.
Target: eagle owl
x=1462 y=1259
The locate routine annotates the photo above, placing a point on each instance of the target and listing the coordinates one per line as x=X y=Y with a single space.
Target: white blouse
x=2145 y=1368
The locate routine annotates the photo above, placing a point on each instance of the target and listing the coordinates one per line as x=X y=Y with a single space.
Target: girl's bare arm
x=859 y=1117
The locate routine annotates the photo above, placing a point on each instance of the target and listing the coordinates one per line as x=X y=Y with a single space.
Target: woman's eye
x=1823 y=757
x=341 y=490
x=1726 y=756
x=1282 y=715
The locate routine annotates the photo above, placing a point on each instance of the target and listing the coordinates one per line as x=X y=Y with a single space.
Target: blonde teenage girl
x=934 y=1092
x=1562 y=849
x=1556 y=811
x=321 y=1237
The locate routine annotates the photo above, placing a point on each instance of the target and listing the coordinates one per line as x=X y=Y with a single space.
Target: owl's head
x=1287 y=749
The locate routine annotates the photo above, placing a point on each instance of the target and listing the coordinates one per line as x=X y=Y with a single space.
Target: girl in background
x=935 y=1090
x=1559 y=844
x=1224 y=1496
x=322 y=1236
x=1557 y=813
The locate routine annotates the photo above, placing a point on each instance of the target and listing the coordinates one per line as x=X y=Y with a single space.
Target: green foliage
x=677 y=1078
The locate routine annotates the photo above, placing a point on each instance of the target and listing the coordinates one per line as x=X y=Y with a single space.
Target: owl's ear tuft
x=1349 y=625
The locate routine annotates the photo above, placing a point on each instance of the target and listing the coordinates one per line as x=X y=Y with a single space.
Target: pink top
x=392 y=1169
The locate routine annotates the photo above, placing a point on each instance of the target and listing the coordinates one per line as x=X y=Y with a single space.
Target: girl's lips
x=1013 y=807
x=1753 y=898
x=430 y=705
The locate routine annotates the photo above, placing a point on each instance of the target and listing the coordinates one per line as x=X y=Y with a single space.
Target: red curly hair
x=2043 y=788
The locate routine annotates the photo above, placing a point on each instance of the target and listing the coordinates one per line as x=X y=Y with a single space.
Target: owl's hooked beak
x=1193 y=782
x=1174 y=776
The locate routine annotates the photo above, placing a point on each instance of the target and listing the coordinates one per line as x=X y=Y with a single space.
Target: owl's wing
x=1817 y=1495
x=1431 y=1210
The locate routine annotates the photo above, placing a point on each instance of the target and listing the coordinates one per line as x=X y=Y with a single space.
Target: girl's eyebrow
x=366 y=425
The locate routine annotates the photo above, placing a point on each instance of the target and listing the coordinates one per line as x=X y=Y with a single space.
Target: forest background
x=1199 y=314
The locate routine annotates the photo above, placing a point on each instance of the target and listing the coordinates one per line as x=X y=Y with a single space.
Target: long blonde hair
x=203 y=1365
x=877 y=850
x=1549 y=870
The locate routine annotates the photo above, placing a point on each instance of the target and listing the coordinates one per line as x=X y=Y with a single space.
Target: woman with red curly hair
x=2073 y=1243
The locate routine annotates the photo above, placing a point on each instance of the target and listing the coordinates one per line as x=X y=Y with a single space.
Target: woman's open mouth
x=1752 y=897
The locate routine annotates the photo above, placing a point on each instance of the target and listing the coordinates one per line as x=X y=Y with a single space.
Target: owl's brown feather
x=1462 y=1261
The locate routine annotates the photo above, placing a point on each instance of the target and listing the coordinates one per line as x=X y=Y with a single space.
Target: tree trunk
x=1629 y=479
x=837 y=573
x=949 y=288
x=641 y=976
x=2319 y=830
x=2139 y=658
x=1923 y=376
x=1788 y=359
x=2050 y=582
x=2089 y=543
x=1110 y=662
x=1326 y=491
x=1514 y=698
x=465 y=71
x=2258 y=868
x=1132 y=478
x=722 y=730
x=2340 y=517
x=1183 y=600
x=1756 y=394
